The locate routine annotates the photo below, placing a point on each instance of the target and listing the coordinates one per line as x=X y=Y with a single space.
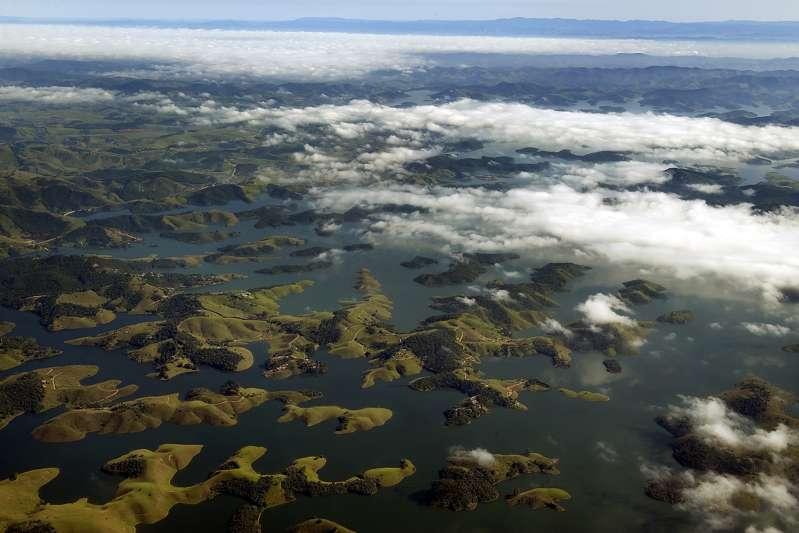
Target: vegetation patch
x=482 y=392
x=587 y=396
x=15 y=351
x=48 y=388
x=539 y=498
x=349 y=420
x=253 y=251
x=677 y=317
x=642 y=291
x=319 y=525
x=472 y=477
x=200 y=406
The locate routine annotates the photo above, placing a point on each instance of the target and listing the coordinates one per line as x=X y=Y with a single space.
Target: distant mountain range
x=514 y=27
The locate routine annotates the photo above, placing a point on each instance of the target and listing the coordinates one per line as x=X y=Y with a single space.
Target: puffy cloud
x=392 y=158
x=499 y=295
x=329 y=227
x=507 y=274
x=321 y=167
x=647 y=229
x=767 y=529
x=762 y=329
x=623 y=173
x=57 y=95
x=553 y=327
x=711 y=497
x=655 y=136
x=600 y=309
x=662 y=232
x=276 y=139
x=465 y=300
x=219 y=53
x=333 y=255
x=158 y=104
x=480 y=456
x=707 y=188
x=606 y=452
x=54 y=95
x=712 y=420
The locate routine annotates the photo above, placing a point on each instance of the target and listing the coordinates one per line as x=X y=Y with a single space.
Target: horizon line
x=373 y=20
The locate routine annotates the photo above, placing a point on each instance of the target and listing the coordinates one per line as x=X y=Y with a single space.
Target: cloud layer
x=561 y=208
x=55 y=95
x=658 y=136
x=218 y=53
x=687 y=239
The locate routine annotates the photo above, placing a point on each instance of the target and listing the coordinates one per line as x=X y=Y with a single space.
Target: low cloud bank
x=55 y=95
x=687 y=239
x=84 y=95
x=308 y=55
x=654 y=136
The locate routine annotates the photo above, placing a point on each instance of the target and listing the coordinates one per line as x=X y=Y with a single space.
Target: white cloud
x=507 y=274
x=553 y=327
x=654 y=136
x=707 y=188
x=711 y=419
x=329 y=227
x=320 y=167
x=623 y=173
x=332 y=255
x=606 y=452
x=767 y=529
x=601 y=309
x=465 y=300
x=54 y=94
x=711 y=496
x=656 y=231
x=163 y=104
x=498 y=295
x=57 y=95
x=221 y=53
x=688 y=239
x=276 y=139
x=480 y=456
x=392 y=157
x=762 y=329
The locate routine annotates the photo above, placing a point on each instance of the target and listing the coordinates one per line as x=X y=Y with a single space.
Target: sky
x=677 y=10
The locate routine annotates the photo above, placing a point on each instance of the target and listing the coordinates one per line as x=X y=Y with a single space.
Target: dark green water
x=607 y=493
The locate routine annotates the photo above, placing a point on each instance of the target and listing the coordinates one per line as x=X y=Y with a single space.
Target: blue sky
x=679 y=10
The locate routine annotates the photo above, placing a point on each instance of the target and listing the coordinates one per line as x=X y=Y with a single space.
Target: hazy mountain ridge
x=543 y=27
